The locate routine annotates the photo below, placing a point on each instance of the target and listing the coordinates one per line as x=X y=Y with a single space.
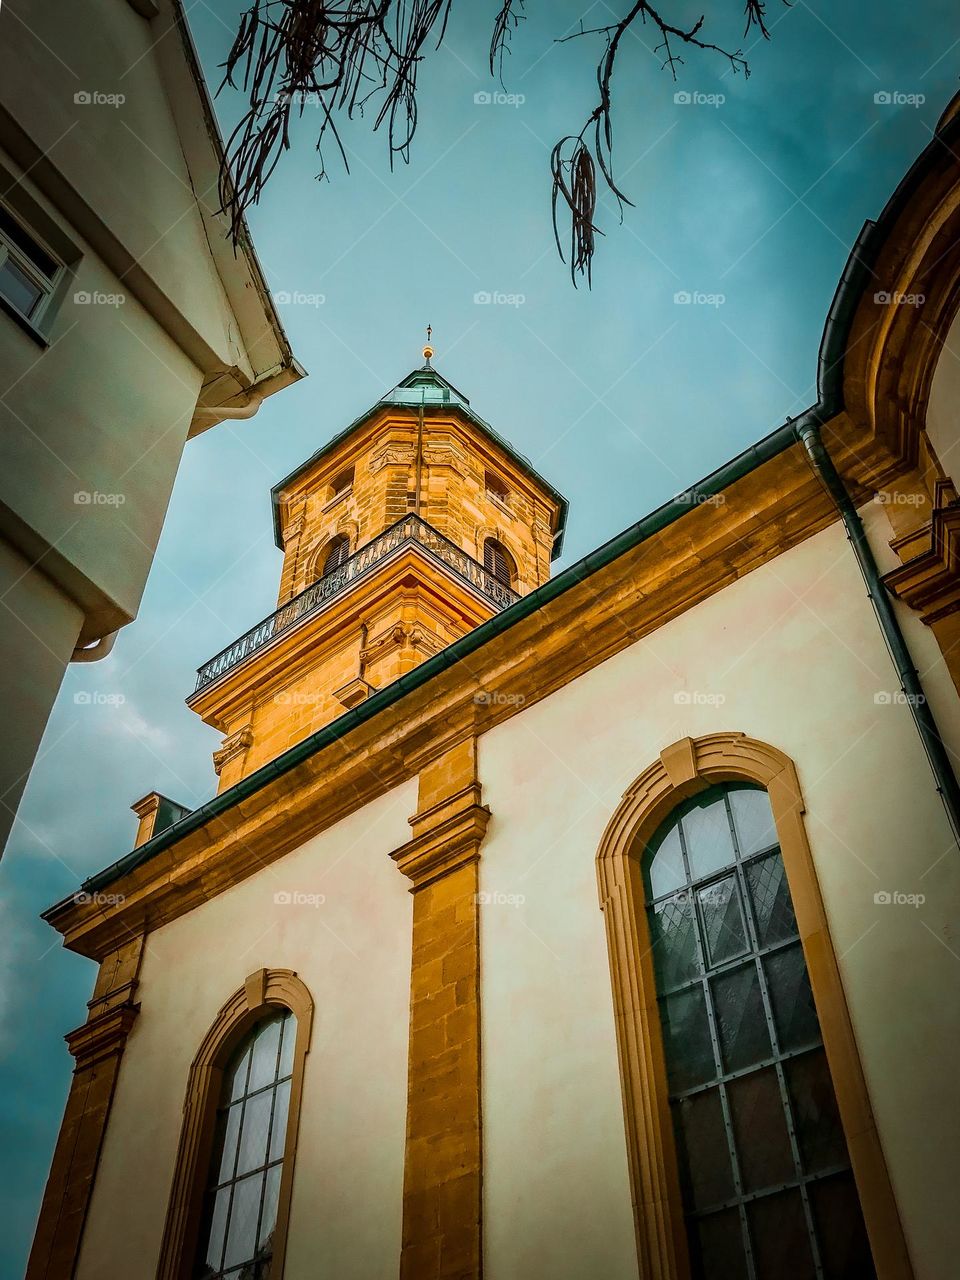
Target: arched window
x=498 y=561
x=338 y=551
x=766 y=1181
x=243 y=1187
x=230 y=1197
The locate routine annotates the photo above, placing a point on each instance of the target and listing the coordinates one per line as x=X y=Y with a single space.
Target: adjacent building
x=128 y=324
x=602 y=924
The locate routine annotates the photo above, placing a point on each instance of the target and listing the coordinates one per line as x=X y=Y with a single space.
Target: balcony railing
x=411 y=529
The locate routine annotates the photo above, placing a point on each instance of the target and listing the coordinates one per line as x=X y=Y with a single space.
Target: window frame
x=509 y=561
x=264 y=992
x=683 y=769
x=48 y=286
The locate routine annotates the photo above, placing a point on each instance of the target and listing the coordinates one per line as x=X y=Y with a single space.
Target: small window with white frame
x=29 y=272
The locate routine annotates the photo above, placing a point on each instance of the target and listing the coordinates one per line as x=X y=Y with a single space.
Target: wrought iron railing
x=410 y=529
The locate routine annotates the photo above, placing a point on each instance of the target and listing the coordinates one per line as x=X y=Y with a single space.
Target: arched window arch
x=338 y=550
x=631 y=880
x=230 y=1199
x=498 y=561
x=767 y=1185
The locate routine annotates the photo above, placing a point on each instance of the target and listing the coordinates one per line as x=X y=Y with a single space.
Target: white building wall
x=353 y=953
x=793 y=656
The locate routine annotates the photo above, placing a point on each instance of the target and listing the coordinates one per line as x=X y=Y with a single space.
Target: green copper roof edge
x=769 y=447
x=495 y=436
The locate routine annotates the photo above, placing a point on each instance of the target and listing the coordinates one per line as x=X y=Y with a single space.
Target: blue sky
x=620 y=396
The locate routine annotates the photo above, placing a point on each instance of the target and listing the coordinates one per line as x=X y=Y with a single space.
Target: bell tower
x=414 y=525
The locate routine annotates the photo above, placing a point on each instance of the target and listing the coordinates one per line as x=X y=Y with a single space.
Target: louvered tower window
x=337 y=552
x=498 y=561
x=768 y=1191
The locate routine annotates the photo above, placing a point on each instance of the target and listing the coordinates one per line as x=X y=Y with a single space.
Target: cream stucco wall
x=353 y=953
x=791 y=655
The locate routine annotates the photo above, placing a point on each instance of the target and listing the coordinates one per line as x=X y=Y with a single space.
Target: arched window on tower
x=766 y=1181
x=498 y=561
x=236 y=1239
x=338 y=550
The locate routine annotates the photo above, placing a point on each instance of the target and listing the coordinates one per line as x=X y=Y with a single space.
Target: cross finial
x=428 y=349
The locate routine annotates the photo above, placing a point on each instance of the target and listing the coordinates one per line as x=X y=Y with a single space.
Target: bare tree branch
x=343 y=55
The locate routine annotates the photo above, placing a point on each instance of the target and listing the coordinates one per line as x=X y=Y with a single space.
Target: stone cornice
x=102 y=1036
x=929 y=579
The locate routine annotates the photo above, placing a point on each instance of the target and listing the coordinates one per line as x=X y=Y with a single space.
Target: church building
x=596 y=925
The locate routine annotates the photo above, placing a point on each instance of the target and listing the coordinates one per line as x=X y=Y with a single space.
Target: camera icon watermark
x=297 y=898
x=694 y=98
x=496 y=298
x=895 y=898
x=486 y=98
x=94 y=98
x=896 y=98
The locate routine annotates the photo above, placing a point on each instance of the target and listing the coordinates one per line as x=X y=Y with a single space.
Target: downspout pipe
x=809 y=435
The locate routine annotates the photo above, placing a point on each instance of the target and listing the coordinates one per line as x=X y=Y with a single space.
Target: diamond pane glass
x=741 y=1023
x=792 y=999
x=219 y=1205
x=686 y=1034
x=844 y=1248
x=753 y=819
x=253 y=1137
x=760 y=1129
x=724 y=931
x=238 y=1082
x=702 y=1149
x=781 y=1242
x=819 y=1131
x=772 y=905
x=674 y=941
x=268 y=1218
x=229 y=1125
x=706 y=829
x=288 y=1047
x=664 y=865
x=717 y=1244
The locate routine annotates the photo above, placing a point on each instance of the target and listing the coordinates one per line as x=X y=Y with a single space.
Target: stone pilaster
x=443 y=1163
x=97 y=1046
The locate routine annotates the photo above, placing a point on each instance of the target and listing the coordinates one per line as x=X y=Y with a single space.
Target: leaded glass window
x=767 y=1188
x=243 y=1190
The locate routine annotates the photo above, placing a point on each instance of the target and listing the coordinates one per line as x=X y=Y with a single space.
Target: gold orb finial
x=428 y=349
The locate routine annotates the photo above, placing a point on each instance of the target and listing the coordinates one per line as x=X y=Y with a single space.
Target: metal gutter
x=770 y=447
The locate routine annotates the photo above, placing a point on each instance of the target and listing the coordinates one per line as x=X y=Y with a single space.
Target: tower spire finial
x=428 y=349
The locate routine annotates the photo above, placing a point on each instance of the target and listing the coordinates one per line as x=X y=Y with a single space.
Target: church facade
x=601 y=924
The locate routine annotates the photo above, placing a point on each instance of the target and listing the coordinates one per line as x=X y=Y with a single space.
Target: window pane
x=760 y=1126
x=217 y=1208
x=266 y=1047
x=844 y=1248
x=289 y=1026
x=229 y=1127
x=237 y=1083
x=278 y=1133
x=665 y=865
x=723 y=927
x=719 y=1239
x=253 y=1135
x=819 y=1131
x=25 y=242
x=781 y=1244
x=268 y=1219
x=753 y=819
x=242 y=1231
x=706 y=830
x=687 y=1046
x=673 y=938
x=702 y=1149
x=772 y=905
x=741 y=1024
x=792 y=999
x=17 y=287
